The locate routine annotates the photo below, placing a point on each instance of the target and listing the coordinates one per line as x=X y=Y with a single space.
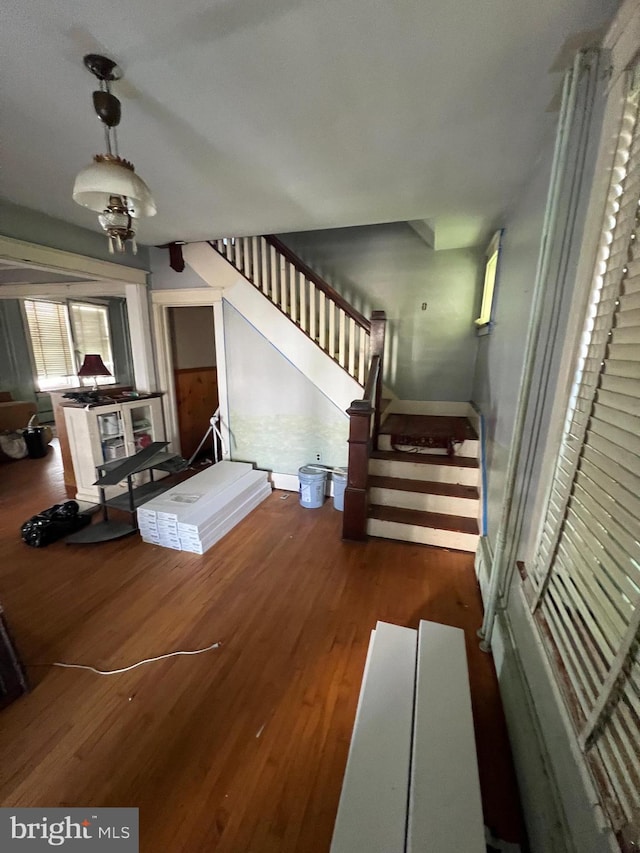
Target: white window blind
x=51 y=345
x=586 y=571
x=61 y=335
x=90 y=324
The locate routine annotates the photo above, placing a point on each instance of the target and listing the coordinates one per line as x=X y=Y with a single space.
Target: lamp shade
x=93 y=365
x=104 y=178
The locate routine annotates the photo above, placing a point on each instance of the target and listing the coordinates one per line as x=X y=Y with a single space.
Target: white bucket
x=339 y=477
x=312 y=484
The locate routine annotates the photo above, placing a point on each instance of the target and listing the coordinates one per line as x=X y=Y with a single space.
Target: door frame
x=205 y=297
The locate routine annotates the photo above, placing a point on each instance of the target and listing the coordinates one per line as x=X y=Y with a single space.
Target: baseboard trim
x=290 y=483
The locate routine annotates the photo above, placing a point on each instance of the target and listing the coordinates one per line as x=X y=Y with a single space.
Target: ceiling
x=256 y=116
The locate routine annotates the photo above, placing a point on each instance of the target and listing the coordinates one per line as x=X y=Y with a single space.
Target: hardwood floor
x=241 y=748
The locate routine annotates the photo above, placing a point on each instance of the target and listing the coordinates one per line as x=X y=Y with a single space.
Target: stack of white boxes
x=198 y=512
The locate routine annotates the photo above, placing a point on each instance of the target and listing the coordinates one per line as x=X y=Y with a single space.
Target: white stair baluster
x=331 y=307
x=362 y=342
x=275 y=275
x=264 y=257
x=313 y=328
x=322 y=320
x=302 y=289
x=256 y=266
x=284 y=285
x=292 y=274
x=342 y=318
x=352 y=347
x=246 y=258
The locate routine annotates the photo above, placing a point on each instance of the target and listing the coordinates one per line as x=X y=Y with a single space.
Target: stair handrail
x=319 y=282
x=364 y=427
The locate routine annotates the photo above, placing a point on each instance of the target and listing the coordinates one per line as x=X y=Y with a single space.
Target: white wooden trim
x=161 y=301
x=445 y=810
x=286 y=482
x=188 y=296
x=164 y=367
x=221 y=371
x=290 y=483
x=582 y=293
x=21 y=253
x=63 y=290
x=373 y=804
x=140 y=335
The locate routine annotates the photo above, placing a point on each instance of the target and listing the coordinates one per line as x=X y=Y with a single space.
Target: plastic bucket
x=339 y=485
x=311 y=486
x=35 y=441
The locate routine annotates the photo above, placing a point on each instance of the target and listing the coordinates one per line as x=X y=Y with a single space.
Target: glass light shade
x=97 y=182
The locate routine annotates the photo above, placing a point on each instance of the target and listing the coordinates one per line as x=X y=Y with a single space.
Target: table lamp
x=93 y=365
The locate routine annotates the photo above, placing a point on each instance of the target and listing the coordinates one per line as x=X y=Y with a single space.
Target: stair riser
x=467 y=448
x=422 y=535
x=423 y=471
x=466 y=507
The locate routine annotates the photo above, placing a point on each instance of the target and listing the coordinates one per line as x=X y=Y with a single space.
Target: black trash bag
x=52 y=524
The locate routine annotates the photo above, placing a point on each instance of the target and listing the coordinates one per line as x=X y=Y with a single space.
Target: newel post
x=376 y=347
x=354 y=523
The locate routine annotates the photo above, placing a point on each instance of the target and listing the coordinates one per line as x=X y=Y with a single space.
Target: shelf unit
x=104 y=433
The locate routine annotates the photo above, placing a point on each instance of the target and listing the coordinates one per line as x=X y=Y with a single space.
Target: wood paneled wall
x=196 y=400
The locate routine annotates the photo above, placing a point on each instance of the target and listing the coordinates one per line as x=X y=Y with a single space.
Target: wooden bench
x=411 y=781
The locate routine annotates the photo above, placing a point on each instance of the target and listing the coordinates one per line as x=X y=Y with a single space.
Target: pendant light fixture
x=109 y=185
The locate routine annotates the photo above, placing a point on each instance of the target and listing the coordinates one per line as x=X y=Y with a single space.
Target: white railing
x=309 y=302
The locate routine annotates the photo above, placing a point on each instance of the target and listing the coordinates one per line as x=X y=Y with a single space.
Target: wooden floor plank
x=292 y=606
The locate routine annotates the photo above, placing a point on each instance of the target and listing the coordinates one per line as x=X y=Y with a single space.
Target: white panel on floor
x=373 y=804
x=445 y=809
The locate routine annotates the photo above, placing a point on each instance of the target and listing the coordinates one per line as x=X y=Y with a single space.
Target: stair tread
x=428 y=487
x=425 y=458
x=437 y=520
x=428 y=426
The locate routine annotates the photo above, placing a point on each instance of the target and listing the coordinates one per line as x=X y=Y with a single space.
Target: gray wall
x=278 y=418
x=431 y=353
x=192 y=337
x=21 y=223
x=164 y=278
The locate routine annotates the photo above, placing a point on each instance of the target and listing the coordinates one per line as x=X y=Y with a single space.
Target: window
x=490 y=275
x=586 y=569
x=61 y=335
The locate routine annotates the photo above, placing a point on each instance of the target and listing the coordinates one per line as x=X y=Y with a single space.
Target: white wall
x=278 y=419
x=431 y=353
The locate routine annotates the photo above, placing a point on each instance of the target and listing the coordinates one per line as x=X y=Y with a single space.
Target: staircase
x=424 y=482
x=304 y=297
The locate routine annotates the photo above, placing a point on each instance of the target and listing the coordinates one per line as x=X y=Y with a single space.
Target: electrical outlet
x=318 y=457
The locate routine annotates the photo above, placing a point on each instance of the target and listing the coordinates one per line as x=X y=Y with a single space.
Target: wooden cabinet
x=102 y=433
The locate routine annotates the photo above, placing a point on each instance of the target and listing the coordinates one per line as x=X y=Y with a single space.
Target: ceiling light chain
x=110 y=185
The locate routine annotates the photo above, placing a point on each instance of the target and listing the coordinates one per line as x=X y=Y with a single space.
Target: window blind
x=90 y=325
x=586 y=570
x=50 y=341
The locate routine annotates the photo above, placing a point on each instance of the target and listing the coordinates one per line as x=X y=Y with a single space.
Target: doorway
x=195 y=375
